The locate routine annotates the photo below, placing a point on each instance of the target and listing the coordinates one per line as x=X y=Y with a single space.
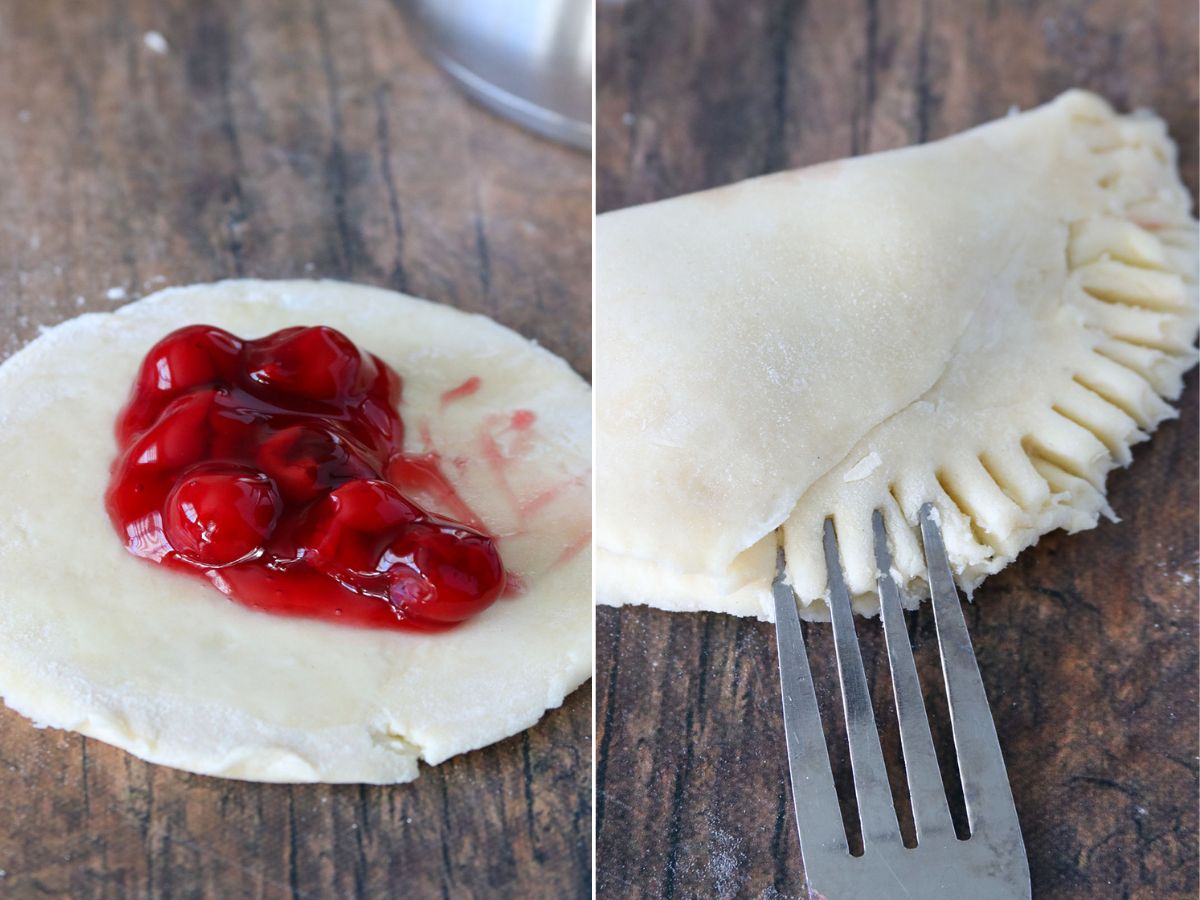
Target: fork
x=991 y=863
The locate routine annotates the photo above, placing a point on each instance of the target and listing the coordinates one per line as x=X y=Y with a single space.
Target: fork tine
x=985 y=784
x=818 y=816
x=876 y=811
x=931 y=814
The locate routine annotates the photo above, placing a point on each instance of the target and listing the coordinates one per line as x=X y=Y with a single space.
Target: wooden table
x=1088 y=643
x=279 y=139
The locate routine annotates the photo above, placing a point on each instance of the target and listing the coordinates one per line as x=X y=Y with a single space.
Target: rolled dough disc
x=95 y=640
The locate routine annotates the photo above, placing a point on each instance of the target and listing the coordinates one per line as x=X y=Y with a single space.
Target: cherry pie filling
x=274 y=469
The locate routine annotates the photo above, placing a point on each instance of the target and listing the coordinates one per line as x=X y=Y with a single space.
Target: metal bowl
x=528 y=60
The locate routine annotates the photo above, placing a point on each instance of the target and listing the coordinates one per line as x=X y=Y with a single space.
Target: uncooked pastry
x=95 y=640
x=987 y=323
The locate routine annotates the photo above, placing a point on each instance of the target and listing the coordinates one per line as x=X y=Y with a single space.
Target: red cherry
x=186 y=359
x=315 y=363
x=350 y=529
x=179 y=436
x=221 y=516
x=440 y=574
x=305 y=460
x=146 y=470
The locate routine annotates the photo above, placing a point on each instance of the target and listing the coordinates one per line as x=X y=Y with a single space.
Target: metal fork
x=991 y=863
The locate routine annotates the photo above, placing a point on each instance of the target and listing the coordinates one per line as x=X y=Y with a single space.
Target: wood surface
x=279 y=139
x=1088 y=644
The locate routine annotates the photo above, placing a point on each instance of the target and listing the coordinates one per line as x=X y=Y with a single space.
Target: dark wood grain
x=1088 y=644
x=279 y=139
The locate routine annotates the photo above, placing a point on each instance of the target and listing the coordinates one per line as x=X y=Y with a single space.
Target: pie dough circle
x=95 y=640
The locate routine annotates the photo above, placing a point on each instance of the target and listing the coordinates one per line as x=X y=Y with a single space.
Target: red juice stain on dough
x=496 y=428
x=499 y=457
x=574 y=548
x=550 y=494
x=421 y=475
x=274 y=469
x=466 y=389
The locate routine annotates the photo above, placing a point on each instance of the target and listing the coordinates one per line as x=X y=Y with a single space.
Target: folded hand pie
x=987 y=323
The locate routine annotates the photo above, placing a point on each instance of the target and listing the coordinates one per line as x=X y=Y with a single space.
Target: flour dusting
x=156 y=43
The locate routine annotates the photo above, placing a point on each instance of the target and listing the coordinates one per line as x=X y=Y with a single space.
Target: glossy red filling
x=274 y=468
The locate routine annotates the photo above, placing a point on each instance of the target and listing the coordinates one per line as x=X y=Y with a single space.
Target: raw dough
x=160 y=664
x=987 y=322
